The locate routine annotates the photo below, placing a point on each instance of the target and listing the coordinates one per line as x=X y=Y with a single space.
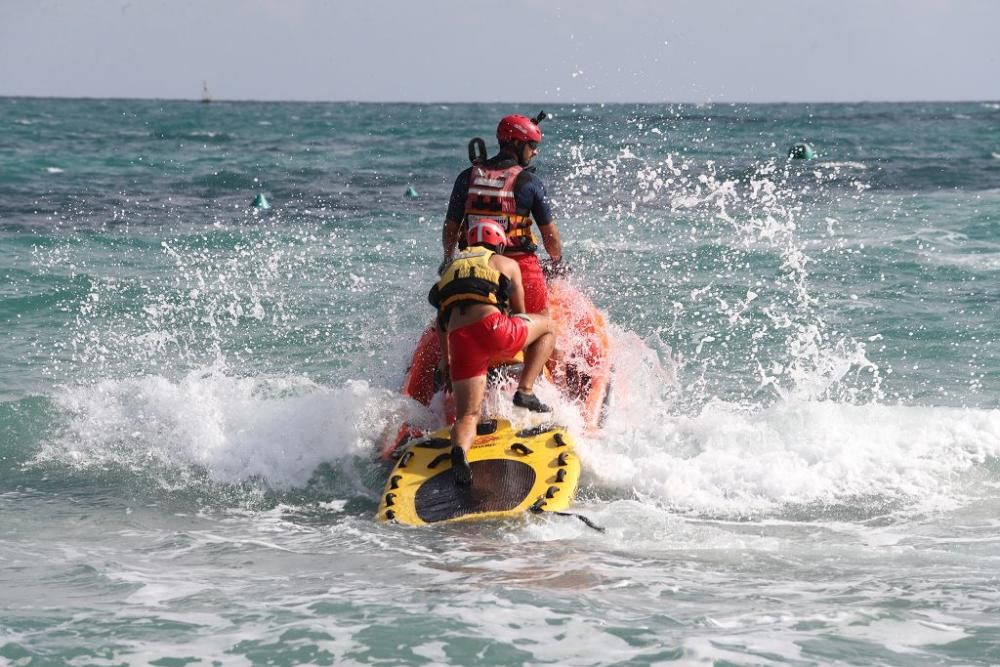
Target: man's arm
x=456 y=213
x=443 y=366
x=449 y=238
x=551 y=241
x=536 y=199
x=512 y=270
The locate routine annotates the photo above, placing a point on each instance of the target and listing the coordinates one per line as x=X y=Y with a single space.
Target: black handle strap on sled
x=539 y=506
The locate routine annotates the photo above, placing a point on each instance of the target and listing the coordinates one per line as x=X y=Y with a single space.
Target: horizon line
x=215 y=100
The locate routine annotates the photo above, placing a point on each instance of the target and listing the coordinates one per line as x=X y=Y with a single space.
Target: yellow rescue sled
x=513 y=471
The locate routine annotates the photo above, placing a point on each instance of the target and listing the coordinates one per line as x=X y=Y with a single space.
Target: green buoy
x=411 y=193
x=260 y=201
x=801 y=151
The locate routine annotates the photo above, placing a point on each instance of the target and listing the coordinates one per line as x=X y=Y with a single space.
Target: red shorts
x=471 y=347
x=536 y=295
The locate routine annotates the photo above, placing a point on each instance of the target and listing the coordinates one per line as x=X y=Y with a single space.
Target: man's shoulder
x=505 y=264
x=529 y=183
x=501 y=161
x=461 y=181
x=528 y=177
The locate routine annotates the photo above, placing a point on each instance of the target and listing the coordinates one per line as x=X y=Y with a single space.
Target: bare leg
x=468 y=403
x=538 y=348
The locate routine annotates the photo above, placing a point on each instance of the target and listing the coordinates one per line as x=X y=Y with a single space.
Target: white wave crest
x=736 y=462
x=236 y=429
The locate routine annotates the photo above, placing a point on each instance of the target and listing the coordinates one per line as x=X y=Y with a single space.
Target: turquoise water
x=802 y=463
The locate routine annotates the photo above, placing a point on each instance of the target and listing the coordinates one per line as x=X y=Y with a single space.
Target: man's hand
x=442 y=376
x=555 y=268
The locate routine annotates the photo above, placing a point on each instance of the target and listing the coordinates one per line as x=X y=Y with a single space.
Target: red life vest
x=491 y=195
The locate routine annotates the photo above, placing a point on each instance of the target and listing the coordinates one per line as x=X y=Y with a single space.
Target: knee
x=545 y=341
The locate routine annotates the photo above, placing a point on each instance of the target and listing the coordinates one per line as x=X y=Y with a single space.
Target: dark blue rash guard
x=529 y=193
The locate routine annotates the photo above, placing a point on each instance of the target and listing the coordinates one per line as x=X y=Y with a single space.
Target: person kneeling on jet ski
x=473 y=296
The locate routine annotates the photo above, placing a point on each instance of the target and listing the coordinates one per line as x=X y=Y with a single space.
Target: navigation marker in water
x=801 y=151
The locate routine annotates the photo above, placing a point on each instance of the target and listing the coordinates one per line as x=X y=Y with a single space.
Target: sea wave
x=785 y=459
x=235 y=429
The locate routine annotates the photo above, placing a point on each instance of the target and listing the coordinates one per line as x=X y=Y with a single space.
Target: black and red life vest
x=491 y=195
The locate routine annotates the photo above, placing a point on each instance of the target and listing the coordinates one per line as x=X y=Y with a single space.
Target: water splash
x=231 y=429
x=745 y=320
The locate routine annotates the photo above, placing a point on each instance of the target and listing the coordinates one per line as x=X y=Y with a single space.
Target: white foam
x=236 y=429
x=844 y=165
x=981 y=261
x=908 y=636
x=734 y=461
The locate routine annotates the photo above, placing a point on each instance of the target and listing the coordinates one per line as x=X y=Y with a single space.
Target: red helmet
x=518 y=128
x=485 y=230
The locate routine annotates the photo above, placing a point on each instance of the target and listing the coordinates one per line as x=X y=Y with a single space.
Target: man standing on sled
x=477 y=290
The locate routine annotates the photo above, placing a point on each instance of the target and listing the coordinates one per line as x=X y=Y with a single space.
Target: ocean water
x=801 y=465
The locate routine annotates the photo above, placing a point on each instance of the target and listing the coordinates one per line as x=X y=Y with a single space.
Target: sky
x=554 y=51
